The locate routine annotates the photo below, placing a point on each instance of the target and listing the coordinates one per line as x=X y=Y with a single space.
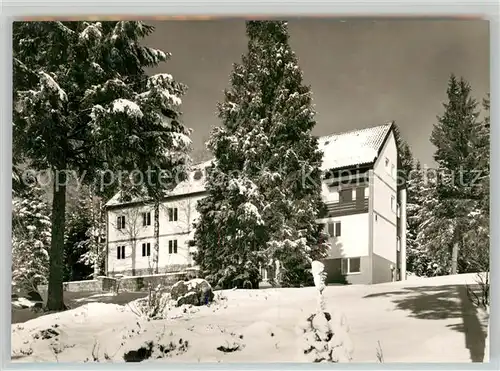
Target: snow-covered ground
x=420 y=320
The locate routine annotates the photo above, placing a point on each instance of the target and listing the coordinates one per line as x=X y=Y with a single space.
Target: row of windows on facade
x=348 y=195
x=146 y=249
x=173 y=216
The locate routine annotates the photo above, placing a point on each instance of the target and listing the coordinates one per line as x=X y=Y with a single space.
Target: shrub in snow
x=156 y=304
x=144 y=345
x=325 y=338
x=195 y=292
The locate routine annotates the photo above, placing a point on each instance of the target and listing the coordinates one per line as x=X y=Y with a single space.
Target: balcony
x=347 y=207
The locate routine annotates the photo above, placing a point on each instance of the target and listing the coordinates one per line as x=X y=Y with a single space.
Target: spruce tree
x=454 y=135
x=83 y=103
x=435 y=236
x=475 y=257
x=265 y=183
x=417 y=259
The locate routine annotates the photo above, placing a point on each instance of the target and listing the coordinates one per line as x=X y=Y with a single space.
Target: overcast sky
x=362 y=72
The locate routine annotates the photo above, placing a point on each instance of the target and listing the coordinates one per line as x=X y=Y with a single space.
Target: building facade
x=365 y=221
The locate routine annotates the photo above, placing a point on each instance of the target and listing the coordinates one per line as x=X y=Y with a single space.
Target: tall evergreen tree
x=265 y=183
x=414 y=203
x=84 y=237
x=84 y=103
x=475 y=257
x=454 y=138
x=435 y=232
x=78 y=222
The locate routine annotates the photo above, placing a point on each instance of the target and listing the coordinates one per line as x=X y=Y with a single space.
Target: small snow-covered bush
x=155 y=305
x=481 y=299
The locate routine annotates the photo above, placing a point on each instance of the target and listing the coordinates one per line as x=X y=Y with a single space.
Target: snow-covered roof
x=356 y=147
x=194 y=184
x=352 y=148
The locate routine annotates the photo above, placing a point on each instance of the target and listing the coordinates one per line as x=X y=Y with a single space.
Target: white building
x=366 y=217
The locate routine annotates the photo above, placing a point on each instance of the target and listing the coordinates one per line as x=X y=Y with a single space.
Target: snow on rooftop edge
x=368 y=142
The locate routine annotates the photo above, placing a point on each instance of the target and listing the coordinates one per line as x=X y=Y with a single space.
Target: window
x=386 y=162
x=393 y=203
x=172 y=247
x=367 y=192
x=398 y=243
x=120 y=252
x=398 y=210
x=354 y=194
x=146 y=249
x=120 y=222
x=334 y=229
x=172 y=214
x=351 y=265
x=146 y=219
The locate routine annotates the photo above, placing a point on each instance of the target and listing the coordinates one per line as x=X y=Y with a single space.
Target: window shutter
x=337 y=229
x=344 y=266
x=331 y=230
x=118 y=252
x=170 y=247
x=118 y=222
x=175 y=246
x=175 y=214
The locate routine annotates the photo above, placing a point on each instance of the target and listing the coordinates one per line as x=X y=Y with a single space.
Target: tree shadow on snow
x=443 y=302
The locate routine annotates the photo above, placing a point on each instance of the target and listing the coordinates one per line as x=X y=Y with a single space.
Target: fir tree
x=30 y=238
x=264 y=185
x=419 y=204
x=84 y=248
x=434 y=239
x=78 y=222
x=84 y=103
x=475 y=257
x=454 y=138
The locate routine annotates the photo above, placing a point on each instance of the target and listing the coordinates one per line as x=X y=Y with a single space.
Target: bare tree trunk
x=157 y=235
x=95 y=228
x=55 y=300
x=134 y=251
x=454 y=257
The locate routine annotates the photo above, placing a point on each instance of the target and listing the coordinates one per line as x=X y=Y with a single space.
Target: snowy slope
x=412 y=321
